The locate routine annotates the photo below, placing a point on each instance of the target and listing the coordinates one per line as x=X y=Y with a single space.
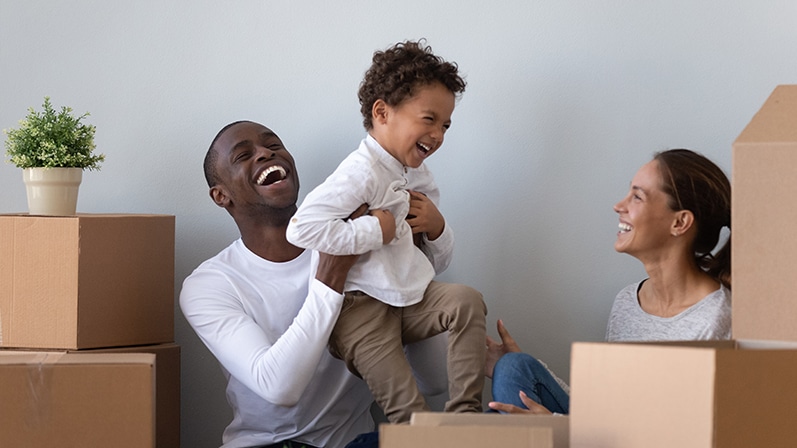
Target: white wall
x=566 y=99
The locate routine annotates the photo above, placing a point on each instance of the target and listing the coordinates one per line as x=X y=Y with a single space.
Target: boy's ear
x=379 y=111
x=682 y=223
x=219 y=196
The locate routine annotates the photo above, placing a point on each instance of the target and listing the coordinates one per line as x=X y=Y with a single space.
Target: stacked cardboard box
x=738 y=393
x=87 y=327
x=477 y=431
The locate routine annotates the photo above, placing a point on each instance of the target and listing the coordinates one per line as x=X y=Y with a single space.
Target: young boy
x=407 y=97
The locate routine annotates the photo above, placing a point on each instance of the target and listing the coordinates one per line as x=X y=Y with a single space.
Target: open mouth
x=272 y=175
x=423 y=148
x=624 y=227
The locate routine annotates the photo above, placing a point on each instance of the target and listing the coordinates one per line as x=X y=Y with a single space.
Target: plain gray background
x=565 y=100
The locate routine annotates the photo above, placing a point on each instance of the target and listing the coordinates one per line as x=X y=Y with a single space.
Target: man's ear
x=219 y=196
x=684 y=219
x=379 y=111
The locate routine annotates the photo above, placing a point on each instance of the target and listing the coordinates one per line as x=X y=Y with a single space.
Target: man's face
x=254 y=170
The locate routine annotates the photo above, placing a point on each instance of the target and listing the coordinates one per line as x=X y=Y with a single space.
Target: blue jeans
x=519 y=371
x=366 y=440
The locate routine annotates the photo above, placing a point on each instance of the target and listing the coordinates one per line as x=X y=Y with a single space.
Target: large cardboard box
x=476 y=431
x=408 y=436
x=77 y=400
x=167 y=389
x=710 y=395
x=559 y=424
x=764 y=221
x=740 y=393
x=86 y=281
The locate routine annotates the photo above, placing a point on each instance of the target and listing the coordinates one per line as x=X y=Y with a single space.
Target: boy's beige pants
x=370 y=336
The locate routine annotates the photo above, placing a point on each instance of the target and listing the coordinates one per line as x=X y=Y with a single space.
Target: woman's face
x=645 y=216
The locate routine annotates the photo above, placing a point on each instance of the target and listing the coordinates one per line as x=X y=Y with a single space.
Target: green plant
x=52 y=139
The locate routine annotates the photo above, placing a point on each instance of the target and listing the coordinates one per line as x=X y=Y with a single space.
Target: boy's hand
x=424 y=217
x=387 y=223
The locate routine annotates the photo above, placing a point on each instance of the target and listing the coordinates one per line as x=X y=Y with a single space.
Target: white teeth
x=264 y=175
x=624 y=227
x=426 y=148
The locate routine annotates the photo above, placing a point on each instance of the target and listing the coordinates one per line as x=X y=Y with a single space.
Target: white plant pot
x=52 y=191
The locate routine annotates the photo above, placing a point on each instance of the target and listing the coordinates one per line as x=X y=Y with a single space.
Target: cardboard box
x=409 y=436
x=559 y=424
x=764 y=246
x=167 y=389
x=710 y=395
x=77 y=400
x=86 y=281
x=738 y=393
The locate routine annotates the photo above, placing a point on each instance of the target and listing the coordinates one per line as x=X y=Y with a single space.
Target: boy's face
x=414 y=129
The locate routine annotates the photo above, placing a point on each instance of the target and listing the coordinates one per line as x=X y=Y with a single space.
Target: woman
x=670 y=220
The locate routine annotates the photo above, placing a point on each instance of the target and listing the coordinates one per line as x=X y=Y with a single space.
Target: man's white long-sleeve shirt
x=268 y=324
x=396 y=273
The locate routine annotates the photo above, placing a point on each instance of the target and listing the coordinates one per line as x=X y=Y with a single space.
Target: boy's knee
x=470 y=300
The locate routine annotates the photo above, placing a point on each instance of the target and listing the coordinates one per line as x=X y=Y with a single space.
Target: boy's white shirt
x=396 y=273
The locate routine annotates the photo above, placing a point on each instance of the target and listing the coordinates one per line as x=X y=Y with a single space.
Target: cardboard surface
x=559 y=424
x=86 y=281
x=77 y=400
x=764 y=235
x=409 y=436
x=659 y=395
x=167 y=389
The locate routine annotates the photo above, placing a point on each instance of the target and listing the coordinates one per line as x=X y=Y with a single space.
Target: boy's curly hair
x=397 y=72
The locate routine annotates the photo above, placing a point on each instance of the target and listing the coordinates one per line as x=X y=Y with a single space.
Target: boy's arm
x=321 y=222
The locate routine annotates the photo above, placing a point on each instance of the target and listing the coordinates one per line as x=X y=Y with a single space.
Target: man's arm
x=274 y=359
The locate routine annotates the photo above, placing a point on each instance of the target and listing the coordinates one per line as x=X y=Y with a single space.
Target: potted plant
x=52 y=148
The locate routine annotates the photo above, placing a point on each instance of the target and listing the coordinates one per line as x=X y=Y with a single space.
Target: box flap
x=26 y=357
x=402 y=436
x=763 y=249
x=560 y=424
x=775 y=121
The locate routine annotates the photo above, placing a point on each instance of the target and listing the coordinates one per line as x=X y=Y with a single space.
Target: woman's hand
x=495 y=350
x=532 y=406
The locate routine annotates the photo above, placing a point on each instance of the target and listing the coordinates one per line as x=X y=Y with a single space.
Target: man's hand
x=532 y=406
x=495 y=350
x=424 y=217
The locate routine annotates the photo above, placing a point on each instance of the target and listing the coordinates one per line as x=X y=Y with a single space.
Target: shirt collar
x=381 y=153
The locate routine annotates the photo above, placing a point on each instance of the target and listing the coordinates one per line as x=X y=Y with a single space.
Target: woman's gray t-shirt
x=708 y=319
